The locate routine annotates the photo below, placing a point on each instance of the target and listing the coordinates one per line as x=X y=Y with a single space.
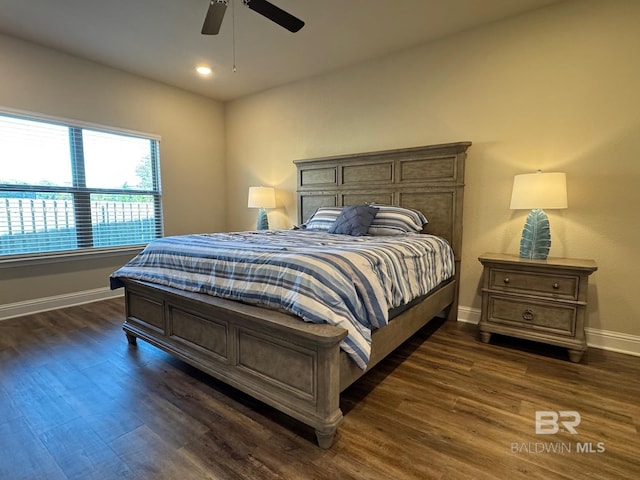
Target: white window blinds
x=66 y=187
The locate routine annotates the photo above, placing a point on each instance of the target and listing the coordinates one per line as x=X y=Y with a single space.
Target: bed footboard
x=291 y=365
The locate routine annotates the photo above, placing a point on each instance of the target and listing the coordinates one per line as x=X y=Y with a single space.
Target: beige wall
x=557 y=89
x=38 y=79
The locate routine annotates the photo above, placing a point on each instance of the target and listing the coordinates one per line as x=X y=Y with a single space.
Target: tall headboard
x=429 y=179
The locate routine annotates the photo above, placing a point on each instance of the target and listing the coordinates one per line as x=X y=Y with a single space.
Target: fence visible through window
x=40 y=225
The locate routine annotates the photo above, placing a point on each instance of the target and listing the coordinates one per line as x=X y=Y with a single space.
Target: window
x=68 y=187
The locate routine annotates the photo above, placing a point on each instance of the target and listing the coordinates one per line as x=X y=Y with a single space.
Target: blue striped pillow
x=394 y=220
x=390 y=220
x=323 y=219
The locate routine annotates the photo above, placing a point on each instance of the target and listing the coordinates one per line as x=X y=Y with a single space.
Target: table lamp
x=537 y=191
x=262 y=198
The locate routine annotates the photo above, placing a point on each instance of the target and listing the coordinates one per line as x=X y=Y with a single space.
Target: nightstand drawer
x=539 y=300
x=556 y=318
x=547 y=284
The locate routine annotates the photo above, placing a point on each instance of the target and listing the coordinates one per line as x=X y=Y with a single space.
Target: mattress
x=351 y=282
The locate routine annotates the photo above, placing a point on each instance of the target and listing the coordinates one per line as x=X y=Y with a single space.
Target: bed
x=296 y=366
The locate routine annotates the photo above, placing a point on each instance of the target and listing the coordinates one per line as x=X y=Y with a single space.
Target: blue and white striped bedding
x=351 y=282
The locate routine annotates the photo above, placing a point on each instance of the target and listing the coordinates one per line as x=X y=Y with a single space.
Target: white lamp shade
x=539 y=191
x=262 y=197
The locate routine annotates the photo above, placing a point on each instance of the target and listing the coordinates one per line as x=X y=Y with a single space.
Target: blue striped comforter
x=350 y=282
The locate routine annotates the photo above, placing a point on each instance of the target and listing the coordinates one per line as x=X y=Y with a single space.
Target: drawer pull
x=506 y=280
x=527 y=315
x=556 y=286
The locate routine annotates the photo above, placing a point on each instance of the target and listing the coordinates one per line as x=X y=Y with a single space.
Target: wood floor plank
x=23 y=456
x=81 y=453
x=77 y=401
x=149 y=456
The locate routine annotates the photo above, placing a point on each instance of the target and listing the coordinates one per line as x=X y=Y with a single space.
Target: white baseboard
x=603 y=339
x=468 y=315
x=28 y=307
x=613 y=341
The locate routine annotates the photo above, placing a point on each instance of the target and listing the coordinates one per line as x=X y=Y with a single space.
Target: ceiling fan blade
x=214 y=17
x=275 y=14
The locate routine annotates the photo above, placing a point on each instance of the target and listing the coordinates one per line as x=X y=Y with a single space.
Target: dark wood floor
x=76 y=401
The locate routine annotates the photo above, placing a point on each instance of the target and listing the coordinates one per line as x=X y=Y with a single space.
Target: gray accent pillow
x=354 y=220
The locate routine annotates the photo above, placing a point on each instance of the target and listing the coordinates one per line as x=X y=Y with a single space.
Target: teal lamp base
x=536 y=236
x=263 y=220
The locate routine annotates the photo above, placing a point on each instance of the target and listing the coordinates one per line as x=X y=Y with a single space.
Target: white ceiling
x=160 y=39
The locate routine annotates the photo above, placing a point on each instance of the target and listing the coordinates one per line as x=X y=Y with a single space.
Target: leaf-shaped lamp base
x=263 y=219
x=536 y=236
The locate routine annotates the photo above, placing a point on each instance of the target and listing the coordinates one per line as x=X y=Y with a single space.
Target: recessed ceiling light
x=203 y=70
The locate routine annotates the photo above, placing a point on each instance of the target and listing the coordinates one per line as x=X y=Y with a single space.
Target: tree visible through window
x=66 y=187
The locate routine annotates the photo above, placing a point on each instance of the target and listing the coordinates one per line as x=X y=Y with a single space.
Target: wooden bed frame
x=295 y=366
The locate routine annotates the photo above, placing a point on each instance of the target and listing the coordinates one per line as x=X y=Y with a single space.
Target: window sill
x=11 y=261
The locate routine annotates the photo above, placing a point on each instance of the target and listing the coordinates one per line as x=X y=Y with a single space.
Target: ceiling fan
x=215 y=14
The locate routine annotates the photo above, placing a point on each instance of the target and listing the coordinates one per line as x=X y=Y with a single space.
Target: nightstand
x=540 y=300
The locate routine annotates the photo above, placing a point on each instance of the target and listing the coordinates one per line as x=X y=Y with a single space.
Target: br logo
x=549 y=422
